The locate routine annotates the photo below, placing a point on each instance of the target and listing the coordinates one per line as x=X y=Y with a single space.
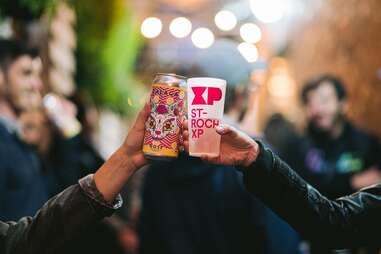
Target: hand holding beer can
x=162 y=133
x=206 y=99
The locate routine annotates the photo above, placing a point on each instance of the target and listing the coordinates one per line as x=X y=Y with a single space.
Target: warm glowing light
x=268 y=11
x=151 y=27
x=281 y=85
x=250 y=32
x=202 y=38
x=248 y=51
x=225 y=20
x=180 y=27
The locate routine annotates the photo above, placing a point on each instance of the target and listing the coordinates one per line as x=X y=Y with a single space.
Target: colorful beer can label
x=163 y=124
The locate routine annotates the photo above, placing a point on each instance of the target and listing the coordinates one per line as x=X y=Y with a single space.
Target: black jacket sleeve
x=345 y=222
x=62 y=217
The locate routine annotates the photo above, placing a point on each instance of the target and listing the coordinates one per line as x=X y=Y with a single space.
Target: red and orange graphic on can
x=162 y=131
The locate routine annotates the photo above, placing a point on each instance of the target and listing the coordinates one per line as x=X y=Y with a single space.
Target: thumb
x=226 y=130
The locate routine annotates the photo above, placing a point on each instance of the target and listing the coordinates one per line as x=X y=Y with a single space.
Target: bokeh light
x=180 y=27
x=268 y=11
x=151 y=27
x=248 y=51
x=281 y=85
x=225 y=20
x=250 y=32
x=202 y=38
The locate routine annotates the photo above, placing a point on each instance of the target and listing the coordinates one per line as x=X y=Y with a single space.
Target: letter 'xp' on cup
x=162 y=133
x=206 y=99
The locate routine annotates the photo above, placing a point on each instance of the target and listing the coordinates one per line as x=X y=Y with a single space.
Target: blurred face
x=323 y=107
x=23 y=83
x=35 y=127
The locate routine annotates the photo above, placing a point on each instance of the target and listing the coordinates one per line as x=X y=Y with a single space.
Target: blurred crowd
x=182 y=206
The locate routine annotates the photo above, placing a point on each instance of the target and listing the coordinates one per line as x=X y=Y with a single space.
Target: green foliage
x=108 y=45
x=37 y=6
x=25 y=9
x=118 y=58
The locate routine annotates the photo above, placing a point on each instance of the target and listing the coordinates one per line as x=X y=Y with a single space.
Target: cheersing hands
x=237 y=148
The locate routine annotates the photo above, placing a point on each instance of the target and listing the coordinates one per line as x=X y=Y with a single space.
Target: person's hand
x=368 y=177
x=123 y=163
x=236 y=148
x=129 y=239
x=133 y=143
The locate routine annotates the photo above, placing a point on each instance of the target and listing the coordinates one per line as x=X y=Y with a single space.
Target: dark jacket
x=22 y=187
x=349 y=221
x=328 y=164
x=67 y=161
x=59 y=220
x=192 y=207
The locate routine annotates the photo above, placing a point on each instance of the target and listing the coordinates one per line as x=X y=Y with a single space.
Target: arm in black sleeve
x=334 y=185
x=57 y=221
x=345 y=222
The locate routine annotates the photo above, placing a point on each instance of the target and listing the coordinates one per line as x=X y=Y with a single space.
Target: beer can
x=163 y=126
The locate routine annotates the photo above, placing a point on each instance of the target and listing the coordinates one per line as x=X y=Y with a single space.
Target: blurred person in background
x=42 y=148
x=29 y=135
x=80 y=206
x=338 y=158
x=189 y=206
x=279 y=132
x=281 y=135
x=22 y=188
x=284 y=139
x=236 y=99
x=58 y=153
x=71 y=156
x=341 y=158
x=67 y=155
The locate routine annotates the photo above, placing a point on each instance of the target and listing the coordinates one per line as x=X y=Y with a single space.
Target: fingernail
x=220 y=128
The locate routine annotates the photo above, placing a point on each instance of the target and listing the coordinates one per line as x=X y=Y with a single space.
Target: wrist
x=113 y=174
x=264 y=163
x=127 y=158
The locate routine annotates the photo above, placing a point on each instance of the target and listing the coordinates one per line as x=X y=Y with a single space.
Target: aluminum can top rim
x=170 y=74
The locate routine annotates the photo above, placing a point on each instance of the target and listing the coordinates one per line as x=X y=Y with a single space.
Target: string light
x=202 y=38
x=180 y=27
x=225 y=20
x=248 y=51
x=268 y=11
x=151 y=27
x=250 y=32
